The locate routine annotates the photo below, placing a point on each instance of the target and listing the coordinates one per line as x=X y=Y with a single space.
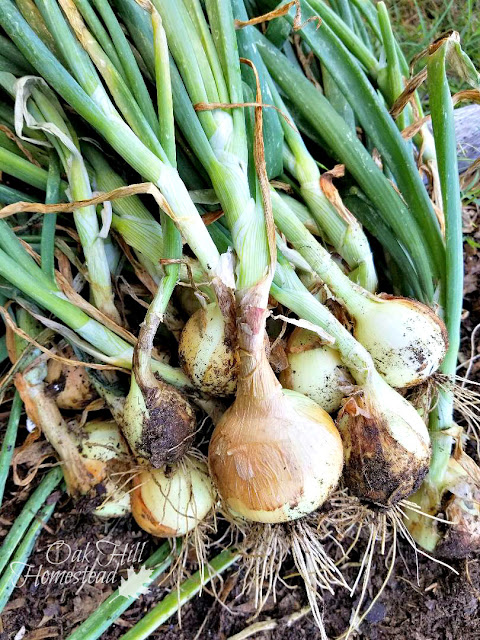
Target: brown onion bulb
x=275 y=456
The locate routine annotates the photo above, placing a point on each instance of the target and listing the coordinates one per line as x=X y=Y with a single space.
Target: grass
x=418 y=22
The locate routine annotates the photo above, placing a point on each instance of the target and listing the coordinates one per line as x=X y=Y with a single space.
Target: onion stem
x=116 y=604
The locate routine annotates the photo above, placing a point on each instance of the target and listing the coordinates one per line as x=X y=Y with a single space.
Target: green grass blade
x=10 y=578
x=8 y=443
x=28 y=513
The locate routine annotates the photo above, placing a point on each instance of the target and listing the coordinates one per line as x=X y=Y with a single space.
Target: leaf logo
x=135 y=584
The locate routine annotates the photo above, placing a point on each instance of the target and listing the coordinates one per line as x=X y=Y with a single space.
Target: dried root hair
x=264 y=549
x=353 y=523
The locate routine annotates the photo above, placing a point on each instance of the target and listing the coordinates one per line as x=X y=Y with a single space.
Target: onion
x=315 y=370
x=70 y=386
x=171 y=501
x=158 y=422
x=275 y=455
x=386 y=444
x=405 y=338
x=454 y=496
x=207 y=353
x=106 y=456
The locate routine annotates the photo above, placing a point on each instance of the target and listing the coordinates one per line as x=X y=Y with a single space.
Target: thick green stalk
x=23 y=169
x=108 y=343
x=128 y=61
x=86 y=221
x=13 y=247
x=289 y=290
x=347 y=36
x=47 y=250
x=272 y=128
x=172 y=241
x=345 y=235
x=100 y=33
x=395 y=84
x=441 y=107
x=178 y=597
x=8 y=195
x=380 y=127
x=119 y=89
x=10 y=52
x=339 y=137
x=116 y=604
x=92 y=103
x=224 y=152
x=351 y=295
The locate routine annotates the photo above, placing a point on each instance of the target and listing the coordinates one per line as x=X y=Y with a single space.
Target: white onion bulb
x=405 y=338
x=315 y=370
x=106 y=456
x=171 y=501
x=207 y=354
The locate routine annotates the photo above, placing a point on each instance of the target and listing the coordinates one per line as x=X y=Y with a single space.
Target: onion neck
x=256 y=379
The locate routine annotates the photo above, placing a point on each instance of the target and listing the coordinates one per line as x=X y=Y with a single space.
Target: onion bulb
x=386 y=444
x=275 y=455
x=171 y=501
x=106 y=456
x=158 y=422
x=70 y=386
x=405 y=338
x=455 y=497
x=315 y=370
x=207 y=354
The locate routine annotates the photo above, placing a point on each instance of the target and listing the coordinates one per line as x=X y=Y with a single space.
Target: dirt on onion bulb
x=207 y=352
x=106 y=457
x=315 y=370
x=275 y=455
x=70 y=386
x=386 y=444
x=405 y=338
x=158 y=422
x=171 y=501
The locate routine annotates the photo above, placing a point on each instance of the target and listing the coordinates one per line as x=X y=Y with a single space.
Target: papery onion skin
x=207 y=353
x=315 y=370
x=276 y=464
x=170 y=502
x=405 y=338
x=462 y=537
x=386 y=444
